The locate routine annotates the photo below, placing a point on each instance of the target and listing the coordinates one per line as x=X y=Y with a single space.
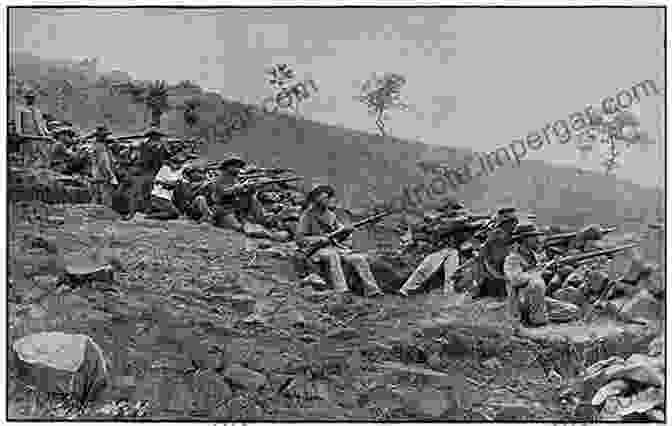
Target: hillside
x=201 y=323
x=362 y=166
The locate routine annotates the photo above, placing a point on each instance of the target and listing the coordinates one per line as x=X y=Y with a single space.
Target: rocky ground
x=202 y=322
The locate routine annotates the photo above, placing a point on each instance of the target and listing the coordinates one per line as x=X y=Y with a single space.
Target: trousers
x=333 y=258
x=449 y=258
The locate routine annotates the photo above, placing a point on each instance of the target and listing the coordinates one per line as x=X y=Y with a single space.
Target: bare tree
x=382 y=94
x=617 y=130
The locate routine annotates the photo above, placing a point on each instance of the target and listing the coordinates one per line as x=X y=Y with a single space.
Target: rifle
x=583 y=258
x=342 y=234
x=25 y=137
x=564 y=237
x=248 y=186
x=265 y=171
x=475 y=217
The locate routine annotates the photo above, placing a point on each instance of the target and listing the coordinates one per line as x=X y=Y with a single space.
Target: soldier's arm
x=303 y=235
x=514 y=272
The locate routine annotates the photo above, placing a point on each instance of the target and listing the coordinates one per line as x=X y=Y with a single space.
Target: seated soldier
x=162 y=207
x=189 y=195
x=491 y=279
x=316 y=221
x=448 y=257
x=526 y=288
x=63 y=158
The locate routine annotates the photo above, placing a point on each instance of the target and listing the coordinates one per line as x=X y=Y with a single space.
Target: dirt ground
x=204 y=323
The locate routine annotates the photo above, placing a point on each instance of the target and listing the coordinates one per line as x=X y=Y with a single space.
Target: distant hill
x=362 y=166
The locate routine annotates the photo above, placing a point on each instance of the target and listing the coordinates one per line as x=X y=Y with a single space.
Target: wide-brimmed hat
x=232 y=161
x=320 y=189
x=506 y=214
x=101 y=130
x=451 y=205
x=525 y=230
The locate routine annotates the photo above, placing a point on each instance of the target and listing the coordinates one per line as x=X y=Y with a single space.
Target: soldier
x=151 y=156
x=62 y=158
x=162 y=206
x=189 y=199
x=448 y=257
x=526 y=290
x=317 y=220
x=104 y=179
x=13 y=140
x=231 y=209
x=30 y=122
x=490 y=277
x=29 y=119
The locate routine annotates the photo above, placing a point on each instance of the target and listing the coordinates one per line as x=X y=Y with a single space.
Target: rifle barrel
x=596 y=253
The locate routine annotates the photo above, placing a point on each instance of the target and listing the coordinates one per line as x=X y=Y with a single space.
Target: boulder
x=315 y=281
x=514 y=412
x=82 y=268
x=244 y=377
x=642 y=305
x=343 y=333
x=428 y=403
x=71 y=364
x=570 y=294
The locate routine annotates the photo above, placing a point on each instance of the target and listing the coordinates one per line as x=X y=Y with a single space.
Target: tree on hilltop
x=615 y=131
x=190 y=114
x=382 y=94
x=153 y=95
x=289 y=93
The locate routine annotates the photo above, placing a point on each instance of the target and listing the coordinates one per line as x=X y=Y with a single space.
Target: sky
x=476 y=77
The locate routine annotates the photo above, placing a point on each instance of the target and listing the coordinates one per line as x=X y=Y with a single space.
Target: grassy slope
x=357 y=163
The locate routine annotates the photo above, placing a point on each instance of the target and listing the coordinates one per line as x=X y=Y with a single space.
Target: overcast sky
x=476 y=77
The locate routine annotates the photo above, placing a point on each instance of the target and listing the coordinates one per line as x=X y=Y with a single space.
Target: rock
x=242 y=303
x=317 y=282
x=244 y=409
x=642 y=305
x=209 y=390
x=244 y=377
x=657 y=346
x=646 y=373
x=434 y=361
x=58 y=362
x=46 y=282
x=570 y=294
x=612 y=388
x=56 y=220
x=554 y=377
x=513 y=412
x=492 y=363
x=81 y=268
x=429 y=403
x=343 y=333
x=640 y=402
